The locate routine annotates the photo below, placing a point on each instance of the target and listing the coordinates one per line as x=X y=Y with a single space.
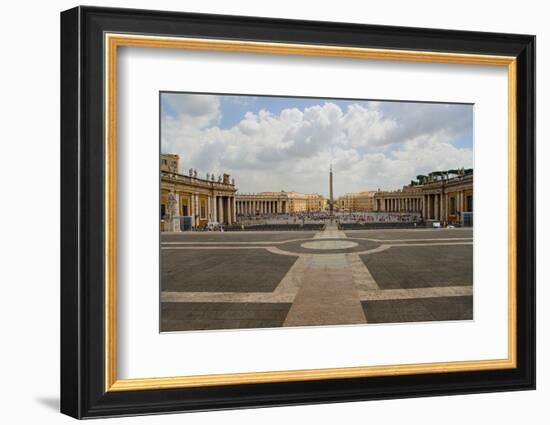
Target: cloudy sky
x=281 y=143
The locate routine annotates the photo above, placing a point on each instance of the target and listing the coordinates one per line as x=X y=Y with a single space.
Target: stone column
x=442 y=206
x=198 y=205
x=234 y=208
x=192 y=210
x=214 y=208
x=227 y=210
x=230 y=211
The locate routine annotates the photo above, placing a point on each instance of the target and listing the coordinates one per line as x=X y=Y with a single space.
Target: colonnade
x=438 y=206
x=433 y=206
x=221 y=209
x=250 y=207
x=407 y=204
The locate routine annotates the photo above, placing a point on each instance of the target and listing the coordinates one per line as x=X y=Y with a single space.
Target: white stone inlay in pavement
x=322 y=287
x=329 y=244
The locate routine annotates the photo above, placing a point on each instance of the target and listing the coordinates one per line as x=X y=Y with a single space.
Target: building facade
x=194 y=200
x=445 y=196
x=169 y=163
x=357 y=201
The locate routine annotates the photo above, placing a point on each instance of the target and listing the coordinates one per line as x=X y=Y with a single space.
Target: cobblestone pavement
x=238 y=280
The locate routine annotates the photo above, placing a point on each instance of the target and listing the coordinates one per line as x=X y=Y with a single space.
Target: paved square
x=238 y=280
x=419 y=309
x=207 y=316
x=421 y=266
x=217 y=270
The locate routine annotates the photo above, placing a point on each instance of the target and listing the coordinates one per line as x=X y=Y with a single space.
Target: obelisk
x=331 y=199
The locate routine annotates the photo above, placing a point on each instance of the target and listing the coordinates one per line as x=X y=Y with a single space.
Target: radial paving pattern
x=269 y=279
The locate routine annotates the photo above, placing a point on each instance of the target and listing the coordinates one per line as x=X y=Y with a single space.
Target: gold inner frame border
x=113 y=40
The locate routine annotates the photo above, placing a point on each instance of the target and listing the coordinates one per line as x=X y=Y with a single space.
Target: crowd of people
x=321 y=216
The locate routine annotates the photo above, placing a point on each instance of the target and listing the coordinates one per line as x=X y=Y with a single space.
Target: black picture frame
x=83 y=392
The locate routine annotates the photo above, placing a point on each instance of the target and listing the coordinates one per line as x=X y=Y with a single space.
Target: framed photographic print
x=261 y=212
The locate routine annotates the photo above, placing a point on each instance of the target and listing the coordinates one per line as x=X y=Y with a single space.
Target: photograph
x=284 y=210
x=287 y=211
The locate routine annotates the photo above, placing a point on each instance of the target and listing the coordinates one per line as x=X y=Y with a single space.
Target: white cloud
x=371 y=145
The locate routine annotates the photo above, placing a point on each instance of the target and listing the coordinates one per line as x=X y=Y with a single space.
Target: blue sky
x=285 y=143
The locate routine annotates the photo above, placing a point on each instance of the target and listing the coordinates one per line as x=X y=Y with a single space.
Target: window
x=453 y=206
x=162 y=210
